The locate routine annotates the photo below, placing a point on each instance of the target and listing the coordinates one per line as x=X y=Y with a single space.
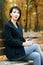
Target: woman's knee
x=36 y=45
x=34 y=55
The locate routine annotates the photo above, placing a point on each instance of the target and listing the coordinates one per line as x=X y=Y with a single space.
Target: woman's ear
x=10 y=14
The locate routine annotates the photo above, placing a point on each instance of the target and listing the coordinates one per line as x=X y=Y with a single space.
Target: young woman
x=17 y=48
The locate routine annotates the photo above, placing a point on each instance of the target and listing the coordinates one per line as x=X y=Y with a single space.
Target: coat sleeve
x=9 y=39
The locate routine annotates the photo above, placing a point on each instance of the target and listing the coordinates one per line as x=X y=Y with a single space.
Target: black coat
x=13 y=41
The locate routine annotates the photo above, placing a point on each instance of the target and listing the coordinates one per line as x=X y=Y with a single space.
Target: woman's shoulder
x=7 y=24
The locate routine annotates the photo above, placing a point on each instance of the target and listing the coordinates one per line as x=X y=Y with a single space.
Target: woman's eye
x=18 y=12
x=14 y=12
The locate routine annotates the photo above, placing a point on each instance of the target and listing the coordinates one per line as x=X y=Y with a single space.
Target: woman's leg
x=35 y=57
x=40 y=52
x=34 y=48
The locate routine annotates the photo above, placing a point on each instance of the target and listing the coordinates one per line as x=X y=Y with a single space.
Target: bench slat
x=2 y=51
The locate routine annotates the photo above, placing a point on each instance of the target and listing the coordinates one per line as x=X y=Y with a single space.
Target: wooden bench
x=15 y=63
x=2 y=47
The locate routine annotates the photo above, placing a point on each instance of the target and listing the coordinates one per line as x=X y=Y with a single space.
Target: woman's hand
x=27 y=43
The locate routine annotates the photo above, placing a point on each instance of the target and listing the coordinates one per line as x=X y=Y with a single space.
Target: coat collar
x=12 y=25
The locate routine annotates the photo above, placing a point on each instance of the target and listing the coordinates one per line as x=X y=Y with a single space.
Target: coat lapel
x=10 y=24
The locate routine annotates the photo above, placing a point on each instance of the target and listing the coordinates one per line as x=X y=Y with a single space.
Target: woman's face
x=15 y=14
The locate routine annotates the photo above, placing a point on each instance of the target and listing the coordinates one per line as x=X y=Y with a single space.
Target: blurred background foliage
x=32 y=13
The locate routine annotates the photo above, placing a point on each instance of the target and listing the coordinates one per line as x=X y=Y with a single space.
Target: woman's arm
x=27 y=43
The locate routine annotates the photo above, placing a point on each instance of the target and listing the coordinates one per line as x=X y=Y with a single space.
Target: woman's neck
x=14 y=22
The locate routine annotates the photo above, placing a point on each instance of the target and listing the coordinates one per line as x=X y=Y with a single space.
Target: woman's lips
x=15 y=16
